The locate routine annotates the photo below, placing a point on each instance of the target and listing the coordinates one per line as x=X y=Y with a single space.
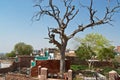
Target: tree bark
x=62 y=60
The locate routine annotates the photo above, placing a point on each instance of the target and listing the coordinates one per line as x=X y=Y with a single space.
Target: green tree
x=20 y=49
x=94 y=46
x=84 y=52
x=95 y=41
x=106 y=53
x=23 y=49
x=66 y=11
x=11 y=54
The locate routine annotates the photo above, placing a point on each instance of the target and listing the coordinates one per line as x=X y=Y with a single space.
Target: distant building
x=117 y=50
x=72 y=51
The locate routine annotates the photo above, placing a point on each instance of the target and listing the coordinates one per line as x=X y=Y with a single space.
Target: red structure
x=53 y=66
x=24 y=60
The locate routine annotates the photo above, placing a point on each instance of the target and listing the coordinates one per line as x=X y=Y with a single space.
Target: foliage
x=93 y=45
x=78 y=67
x=116 y=62
x=106 y=53
x=84 y=52
x=11 y=54
x=20 y=49
x=106 y=70
x=117 y=58
x=23 y=49
x=95 y=41
x=118 y=71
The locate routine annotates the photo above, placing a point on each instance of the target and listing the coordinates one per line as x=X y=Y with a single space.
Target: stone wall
x=24 y=60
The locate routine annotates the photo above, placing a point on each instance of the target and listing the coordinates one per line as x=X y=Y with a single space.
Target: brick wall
x=52 y=65
x=25 y=61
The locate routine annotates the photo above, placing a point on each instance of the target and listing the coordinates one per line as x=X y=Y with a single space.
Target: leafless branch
x=70 y=13
x=51 y=10
x=52 y=39
x=107 y=18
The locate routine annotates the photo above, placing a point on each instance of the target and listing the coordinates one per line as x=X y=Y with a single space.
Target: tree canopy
x=106 y=53
x=95 y=44
x=84 y=52
x=11 y=54
x=23 y=49
x=20 y=49
x=95 y=41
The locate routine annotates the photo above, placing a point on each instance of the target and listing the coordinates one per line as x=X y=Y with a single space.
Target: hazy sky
x=16 y=26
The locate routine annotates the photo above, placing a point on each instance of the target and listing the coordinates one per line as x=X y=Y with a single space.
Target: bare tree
x=67 y=16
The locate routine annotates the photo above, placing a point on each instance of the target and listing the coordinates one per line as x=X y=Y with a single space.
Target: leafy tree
x=84 y=52
x=106 y=53
x=11 y=54
x=20 y=49
x=94 y=46
x=66 y=11
x=95 y=41
x=23 y=49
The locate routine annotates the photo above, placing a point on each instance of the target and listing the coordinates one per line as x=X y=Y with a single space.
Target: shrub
x=79 y=67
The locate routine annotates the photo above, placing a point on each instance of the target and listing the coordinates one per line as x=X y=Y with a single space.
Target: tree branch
x=55 y=12
x=69 y=14
x=51 y=10
x=107 y=18
x=52 y=39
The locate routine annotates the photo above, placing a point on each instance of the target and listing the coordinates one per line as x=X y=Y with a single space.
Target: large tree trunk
x=62 y=60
